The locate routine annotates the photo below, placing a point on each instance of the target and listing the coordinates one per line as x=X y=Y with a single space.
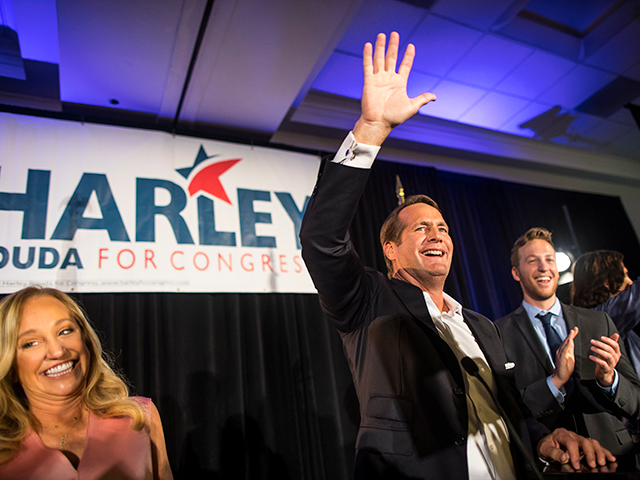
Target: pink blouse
x=114 y=451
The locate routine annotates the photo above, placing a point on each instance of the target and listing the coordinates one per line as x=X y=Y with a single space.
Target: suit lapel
x=523 y=323
x=485 y=334
x=571 y=320
x=413 y=299
x=487 y=339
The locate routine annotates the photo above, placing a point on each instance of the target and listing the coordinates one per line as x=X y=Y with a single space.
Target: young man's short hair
x=536 y=233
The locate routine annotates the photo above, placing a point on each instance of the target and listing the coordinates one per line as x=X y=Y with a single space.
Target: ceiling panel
x=624 y=115
x=575 y=87
x=481 y=15
x=37 y=21
x=440 y=44
x=384 y=16
x=332 y=78
x=577 y=14
x=420 y=83
x=489 y=61
x=607 y=131
x=453 y=99
x=264 y=51
x=583 y=123
x=611 y=98
x=633 y=72
x=543 y=38
x=105 y=55
x=532 y=110
x=622 y=15
x=535 y=75
x=613 y=56
x=494 y=109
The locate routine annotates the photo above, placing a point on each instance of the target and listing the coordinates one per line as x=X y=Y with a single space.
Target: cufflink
x=350 y=154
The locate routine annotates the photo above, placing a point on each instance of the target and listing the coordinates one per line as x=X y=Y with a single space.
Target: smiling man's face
x=426 y=249
x=537 y=273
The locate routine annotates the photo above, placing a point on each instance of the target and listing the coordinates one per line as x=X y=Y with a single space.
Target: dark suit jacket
x=589 y=411
x=409 y=383
x=624 y=309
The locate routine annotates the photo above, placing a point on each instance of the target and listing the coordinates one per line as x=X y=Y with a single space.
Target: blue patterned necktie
x=553 y=339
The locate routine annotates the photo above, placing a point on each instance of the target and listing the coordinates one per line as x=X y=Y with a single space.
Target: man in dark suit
x=422 y=416
x=569 y=367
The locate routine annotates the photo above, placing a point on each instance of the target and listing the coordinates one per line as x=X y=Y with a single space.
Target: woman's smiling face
x=51 y=359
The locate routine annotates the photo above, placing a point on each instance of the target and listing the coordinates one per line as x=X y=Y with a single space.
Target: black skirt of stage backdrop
x=256 y=385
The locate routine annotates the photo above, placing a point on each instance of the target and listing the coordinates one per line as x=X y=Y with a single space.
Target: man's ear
x=515 y=274
x=390 y=251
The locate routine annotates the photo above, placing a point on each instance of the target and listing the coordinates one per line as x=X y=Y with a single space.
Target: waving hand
x=385 y=103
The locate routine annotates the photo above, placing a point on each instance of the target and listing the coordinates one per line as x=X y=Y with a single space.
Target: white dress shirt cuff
x=354 y=154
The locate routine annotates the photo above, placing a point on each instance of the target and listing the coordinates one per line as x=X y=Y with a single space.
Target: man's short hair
x=393 y=227
x=535 y=233
x=597 y=276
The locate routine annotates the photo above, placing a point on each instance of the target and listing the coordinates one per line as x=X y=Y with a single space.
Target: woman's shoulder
x=144 y=401
x=154 y=423
x=149 y=408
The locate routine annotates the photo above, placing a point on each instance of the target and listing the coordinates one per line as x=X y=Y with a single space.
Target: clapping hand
x=565 y=360
x=606 y=356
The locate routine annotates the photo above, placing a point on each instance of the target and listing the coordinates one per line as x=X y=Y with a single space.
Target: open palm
x=385 y=103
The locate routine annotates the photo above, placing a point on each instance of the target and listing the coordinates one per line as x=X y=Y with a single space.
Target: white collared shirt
x=488 y=453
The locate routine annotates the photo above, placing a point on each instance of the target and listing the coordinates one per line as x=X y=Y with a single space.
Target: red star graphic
x=208 y=180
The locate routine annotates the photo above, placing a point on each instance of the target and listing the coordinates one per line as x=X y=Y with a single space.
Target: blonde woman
x=64 y=413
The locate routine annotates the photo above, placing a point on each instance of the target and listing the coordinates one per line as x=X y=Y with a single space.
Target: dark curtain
x=255 y=386
x=249 y=386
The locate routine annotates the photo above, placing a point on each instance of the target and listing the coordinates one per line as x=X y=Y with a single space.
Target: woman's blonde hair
x=106 y=394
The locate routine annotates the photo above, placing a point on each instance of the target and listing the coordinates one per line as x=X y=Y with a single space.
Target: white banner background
x=122 y=155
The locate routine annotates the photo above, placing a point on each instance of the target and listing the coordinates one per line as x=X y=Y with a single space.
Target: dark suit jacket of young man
x=588 y=410
x=409 y=383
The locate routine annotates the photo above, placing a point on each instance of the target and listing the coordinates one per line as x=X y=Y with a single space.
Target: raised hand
x=385 y=103
x=606 y=356
x=565 y=360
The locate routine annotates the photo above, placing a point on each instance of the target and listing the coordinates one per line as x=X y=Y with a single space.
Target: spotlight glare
x=563 y=261
x=566 y=277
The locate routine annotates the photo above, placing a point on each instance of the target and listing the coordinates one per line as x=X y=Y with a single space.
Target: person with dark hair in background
x=406 y=341
x=570 y=369
x=64 y=413
x=599 y=276
x=601 y=282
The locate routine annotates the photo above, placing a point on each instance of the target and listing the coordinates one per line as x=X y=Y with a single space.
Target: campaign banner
x=94 y=208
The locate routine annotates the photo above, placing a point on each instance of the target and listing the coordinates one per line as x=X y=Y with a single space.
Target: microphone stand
x=472 y=369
